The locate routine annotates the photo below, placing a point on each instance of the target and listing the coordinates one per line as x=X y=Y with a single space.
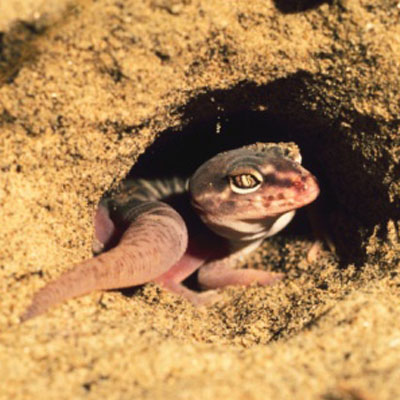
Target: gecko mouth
x=199 y=210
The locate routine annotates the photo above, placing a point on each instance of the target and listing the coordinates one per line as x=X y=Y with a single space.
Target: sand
x=86 y=87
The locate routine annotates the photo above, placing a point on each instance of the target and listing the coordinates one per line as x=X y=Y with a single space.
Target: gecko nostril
x=299 y=184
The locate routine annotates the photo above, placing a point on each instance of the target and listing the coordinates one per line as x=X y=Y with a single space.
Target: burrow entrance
x=290 y=109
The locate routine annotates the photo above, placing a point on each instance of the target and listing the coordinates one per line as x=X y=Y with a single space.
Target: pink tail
x=153 y=243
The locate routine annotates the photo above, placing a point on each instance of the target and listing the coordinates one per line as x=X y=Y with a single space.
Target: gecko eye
x=245 y=182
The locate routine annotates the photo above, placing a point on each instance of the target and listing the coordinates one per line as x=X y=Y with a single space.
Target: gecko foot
x=214 y=276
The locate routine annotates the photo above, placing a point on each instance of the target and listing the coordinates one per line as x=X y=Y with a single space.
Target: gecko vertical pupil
x=245 y=181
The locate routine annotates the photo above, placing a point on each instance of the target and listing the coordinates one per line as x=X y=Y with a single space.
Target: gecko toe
x=270 y=278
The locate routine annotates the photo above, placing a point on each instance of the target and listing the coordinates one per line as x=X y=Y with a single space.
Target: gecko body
x=164 y=230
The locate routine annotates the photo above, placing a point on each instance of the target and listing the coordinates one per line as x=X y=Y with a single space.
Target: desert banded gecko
x=162 y=231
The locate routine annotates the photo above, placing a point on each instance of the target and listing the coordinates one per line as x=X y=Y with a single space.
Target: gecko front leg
x=220 y=273
x=216 y=261
x=200 y=248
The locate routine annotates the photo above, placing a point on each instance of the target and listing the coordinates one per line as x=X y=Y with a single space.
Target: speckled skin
x=239 y=197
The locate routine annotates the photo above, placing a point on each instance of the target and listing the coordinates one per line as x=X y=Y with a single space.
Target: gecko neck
x=249 y=231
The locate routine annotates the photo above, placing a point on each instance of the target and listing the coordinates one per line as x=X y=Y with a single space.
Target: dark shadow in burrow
x=296 y=6
x=225 y=119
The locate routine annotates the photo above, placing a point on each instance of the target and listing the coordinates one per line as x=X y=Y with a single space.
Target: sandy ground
x=85 y=89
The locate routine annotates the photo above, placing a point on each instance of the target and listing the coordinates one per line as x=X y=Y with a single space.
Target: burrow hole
x=227 y=119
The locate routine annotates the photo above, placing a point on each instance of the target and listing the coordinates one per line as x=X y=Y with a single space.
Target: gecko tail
x=154 y=241
x=73 y=283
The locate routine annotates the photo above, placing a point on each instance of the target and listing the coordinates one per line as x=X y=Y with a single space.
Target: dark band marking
x=272 y=179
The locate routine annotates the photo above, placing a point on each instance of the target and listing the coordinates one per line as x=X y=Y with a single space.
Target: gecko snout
x=307 y=187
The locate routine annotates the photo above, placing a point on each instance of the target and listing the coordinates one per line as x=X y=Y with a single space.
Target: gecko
x=164 y=230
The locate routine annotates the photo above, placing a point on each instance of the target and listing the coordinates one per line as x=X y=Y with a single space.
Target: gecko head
x=243 y=193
